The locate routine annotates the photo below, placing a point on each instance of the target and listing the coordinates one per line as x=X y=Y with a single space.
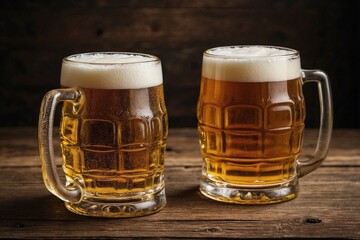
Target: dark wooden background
x=36 y=35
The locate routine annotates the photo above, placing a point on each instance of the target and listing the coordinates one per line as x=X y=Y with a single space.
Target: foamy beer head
x=251 y=64
x=111 y=71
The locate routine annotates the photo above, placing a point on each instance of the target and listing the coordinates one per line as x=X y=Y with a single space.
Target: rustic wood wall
x=36 y=35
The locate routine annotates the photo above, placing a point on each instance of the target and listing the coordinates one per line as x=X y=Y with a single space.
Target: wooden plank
x=286 y=228
x=258 y=4
x=178 y=32
x=326 y=207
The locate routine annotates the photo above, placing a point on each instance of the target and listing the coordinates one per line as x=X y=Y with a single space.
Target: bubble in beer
x=251 y=64
x=111 y=71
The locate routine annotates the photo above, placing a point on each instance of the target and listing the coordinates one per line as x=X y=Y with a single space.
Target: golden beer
x=115 y=143
x=250 y=132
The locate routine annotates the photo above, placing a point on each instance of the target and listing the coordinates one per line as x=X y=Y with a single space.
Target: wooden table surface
x=328 y=204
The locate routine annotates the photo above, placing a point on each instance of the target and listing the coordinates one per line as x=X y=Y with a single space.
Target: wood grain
x=328 y=205
x=35 y=36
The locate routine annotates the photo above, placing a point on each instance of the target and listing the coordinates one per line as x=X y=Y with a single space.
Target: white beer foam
x=250 y=64
x=111 y=71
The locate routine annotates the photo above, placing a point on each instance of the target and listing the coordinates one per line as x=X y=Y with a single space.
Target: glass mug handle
x=309 y=164
x=45 y=137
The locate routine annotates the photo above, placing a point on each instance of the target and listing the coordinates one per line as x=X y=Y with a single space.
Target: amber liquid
x=250 y=133
x=114 y=142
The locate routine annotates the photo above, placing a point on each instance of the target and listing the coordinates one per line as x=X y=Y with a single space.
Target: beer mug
x=251 y=113
x=112 y=135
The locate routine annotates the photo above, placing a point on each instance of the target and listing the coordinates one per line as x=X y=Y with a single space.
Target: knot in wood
x=212 y=229
x=313 y=220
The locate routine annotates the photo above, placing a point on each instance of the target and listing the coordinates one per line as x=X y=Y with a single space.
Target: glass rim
x=290 y=52
x=151 y=58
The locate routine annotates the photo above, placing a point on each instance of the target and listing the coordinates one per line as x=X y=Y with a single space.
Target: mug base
x=240 y=194
x=119 y=208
